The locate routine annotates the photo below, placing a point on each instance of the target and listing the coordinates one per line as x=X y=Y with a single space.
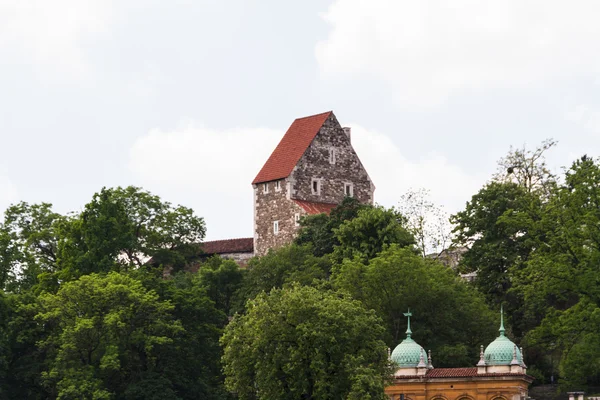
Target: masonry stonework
x=347 y=168
x=315 y=153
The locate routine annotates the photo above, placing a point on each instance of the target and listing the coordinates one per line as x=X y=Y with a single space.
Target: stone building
x=500 y=373
x=310 y=171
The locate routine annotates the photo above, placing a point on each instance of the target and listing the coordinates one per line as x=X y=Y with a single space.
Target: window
x=265 y=188
x=316 y=186
x=331 y=155
x=275 y=227
x=348 y=189
x=277 y=186
x=297 y=219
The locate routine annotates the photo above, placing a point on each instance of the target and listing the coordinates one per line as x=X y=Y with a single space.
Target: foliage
x=28 y=244
x=427 y=222
x=115 y=339
x=121 y=228
x=302 y=343
x=318 y=230
x=527 y=168
x=222 y=279
x=561 y=279
x=292 y=263
x=370 y=232
x=450 y=317
x=499 y=227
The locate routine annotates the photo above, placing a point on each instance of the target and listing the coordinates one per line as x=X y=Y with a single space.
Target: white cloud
x=211 y=171
x=8 y=193
x=586 y=116
x=206 y=169
x=394 y=174
x=52 y=34
x=428 y=49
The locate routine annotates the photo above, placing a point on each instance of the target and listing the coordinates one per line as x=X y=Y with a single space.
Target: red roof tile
x=243 y=245
x=460 y=373
x=291 y=147
x=312 y=207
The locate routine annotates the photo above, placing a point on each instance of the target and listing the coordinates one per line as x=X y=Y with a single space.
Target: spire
x=389 y=353
x=481 y=362
x=422 y=360
x=429 y=364
x=408 y=331
x=515 y=361
x=522 y=358
x=501 y=321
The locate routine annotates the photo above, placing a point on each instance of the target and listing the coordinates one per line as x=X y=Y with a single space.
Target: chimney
x=347 y=131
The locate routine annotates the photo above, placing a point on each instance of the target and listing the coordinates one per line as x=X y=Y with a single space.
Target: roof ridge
x=315 y=115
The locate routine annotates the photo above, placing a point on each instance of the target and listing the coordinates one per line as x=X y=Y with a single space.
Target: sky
x=188 y=98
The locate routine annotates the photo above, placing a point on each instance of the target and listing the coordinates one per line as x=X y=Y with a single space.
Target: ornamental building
x=500 y=373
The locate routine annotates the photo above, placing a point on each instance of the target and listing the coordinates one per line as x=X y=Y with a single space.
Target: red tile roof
x=243 y=245
x=460 y=373
x=291 y=147
x=312 y=207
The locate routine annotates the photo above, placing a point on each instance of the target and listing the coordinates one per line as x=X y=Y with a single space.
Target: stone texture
x=278 y=205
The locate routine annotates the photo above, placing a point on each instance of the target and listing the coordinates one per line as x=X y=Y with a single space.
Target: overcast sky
x=188 y=98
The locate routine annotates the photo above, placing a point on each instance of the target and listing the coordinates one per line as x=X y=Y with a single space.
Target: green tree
x=499 y=227
x=122 y=228
x=303 y=343
x=370 y=232
x=292 y=263
x=318 y=230
x=115 y=339
x=28 y=244
x=25 y=360
x=451 y=317
x=561 y=279
x=221 y=278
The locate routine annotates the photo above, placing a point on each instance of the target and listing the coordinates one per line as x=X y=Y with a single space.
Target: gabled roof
x=312 y=207
x=243 y=245
x=291 y=147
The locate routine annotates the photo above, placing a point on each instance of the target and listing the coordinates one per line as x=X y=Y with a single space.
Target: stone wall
x=315 y=164
x=269 y=207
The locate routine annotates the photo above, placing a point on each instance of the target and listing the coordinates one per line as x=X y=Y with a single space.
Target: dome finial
x=501 y=321
x=408 y=331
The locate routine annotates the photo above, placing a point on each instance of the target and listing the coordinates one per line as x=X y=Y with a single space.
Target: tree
x=427 y=222
x=370 y=232
x=122 y=228
x=28 y=244
x=221 y=278
x=499 y=228
x=451 y=318
x=115 y=339
x=318 y=230
x=292 y=263
x=527 y=168
x=560 y=281
x=302 y=343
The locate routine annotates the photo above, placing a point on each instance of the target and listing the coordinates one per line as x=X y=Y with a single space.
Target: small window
x=331 y=155
x=277 y=186
x=348 y=189
x=265 y=187
x=316 y=186
x=297 y=219
x=275 y=227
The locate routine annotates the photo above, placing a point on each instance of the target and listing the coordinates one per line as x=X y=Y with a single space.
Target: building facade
x=500 y=373
x=311 y=170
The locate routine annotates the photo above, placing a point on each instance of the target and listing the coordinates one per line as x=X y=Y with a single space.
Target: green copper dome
x=502 y=350
x=408 y=353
